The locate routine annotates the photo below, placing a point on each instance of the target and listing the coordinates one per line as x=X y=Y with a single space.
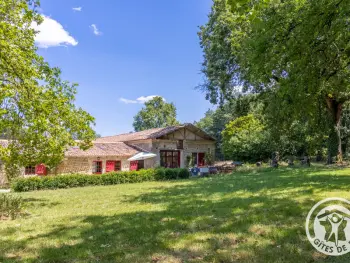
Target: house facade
x=171 y=147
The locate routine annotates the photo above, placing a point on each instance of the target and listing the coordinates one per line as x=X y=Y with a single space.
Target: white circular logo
x=329 y=220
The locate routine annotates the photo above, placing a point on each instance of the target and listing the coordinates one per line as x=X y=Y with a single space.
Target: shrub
x=79 y=180
x=10 y=206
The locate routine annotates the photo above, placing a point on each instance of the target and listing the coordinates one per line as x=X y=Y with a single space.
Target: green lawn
x=255 y=216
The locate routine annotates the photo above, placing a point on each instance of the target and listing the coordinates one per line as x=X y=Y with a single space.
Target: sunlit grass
x=249 y=216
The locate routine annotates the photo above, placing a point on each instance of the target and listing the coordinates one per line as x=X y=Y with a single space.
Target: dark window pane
x=194 y=158
x=29 y=170
x=117 y=166
x=97 y=167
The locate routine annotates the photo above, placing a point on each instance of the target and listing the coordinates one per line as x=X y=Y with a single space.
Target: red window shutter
x=201 y=160
x=133 y=165
x=110 y=166
x=40 y=169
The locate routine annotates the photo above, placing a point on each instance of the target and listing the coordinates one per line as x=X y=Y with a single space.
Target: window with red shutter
x=40 y=169
x=201 y=160
x=133 y=165
x=110 y=166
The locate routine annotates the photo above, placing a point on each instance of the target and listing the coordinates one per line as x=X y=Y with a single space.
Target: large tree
x=295 y=51
x=37 y=112
x=156 y=114
x=246 y=139
x=214 y=121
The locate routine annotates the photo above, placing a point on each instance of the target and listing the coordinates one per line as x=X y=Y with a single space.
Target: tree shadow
x=33 y=203
x=251 y=217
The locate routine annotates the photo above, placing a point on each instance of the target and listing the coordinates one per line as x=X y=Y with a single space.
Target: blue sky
x=120 y=50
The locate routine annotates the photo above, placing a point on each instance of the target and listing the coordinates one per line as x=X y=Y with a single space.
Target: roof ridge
x=127 y=133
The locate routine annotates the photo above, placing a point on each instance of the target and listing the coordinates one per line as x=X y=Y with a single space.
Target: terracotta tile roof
x=133 y=136
x=152 y=134
x=103 y=149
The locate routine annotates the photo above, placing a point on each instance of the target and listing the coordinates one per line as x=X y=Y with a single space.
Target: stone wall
x=189 y=147
x=3 y=178
x=192 y=143
x=84 y=165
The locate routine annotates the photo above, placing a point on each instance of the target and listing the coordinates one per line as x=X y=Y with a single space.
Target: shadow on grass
x=246 y=217
x=30 y=202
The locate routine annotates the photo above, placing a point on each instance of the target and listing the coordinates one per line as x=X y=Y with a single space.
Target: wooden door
x=201 y=161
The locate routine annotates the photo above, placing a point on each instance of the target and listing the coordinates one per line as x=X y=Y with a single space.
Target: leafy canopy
x=297 y=46
x=214 y=121
x=156 y=114
x=37 y=112
x=297 y=52
x=246 y=139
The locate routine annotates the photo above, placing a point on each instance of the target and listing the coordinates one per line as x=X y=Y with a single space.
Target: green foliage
x=296 y=52
x=245 y=139
x=12 y=170
x=37 y=112
x=189 y=161
x=79 y=180
x=10 y=205
x=214 y=121
x=209 y=158
x=262 y=210
x=156 y=114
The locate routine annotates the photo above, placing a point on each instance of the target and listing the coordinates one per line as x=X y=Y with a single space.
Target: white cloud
x=95 y=30
x=52 y=34
x=126 y=101
x=140 y=100
x=77 y=8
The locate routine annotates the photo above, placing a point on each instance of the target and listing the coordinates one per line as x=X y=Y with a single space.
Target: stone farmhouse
x=171 y=147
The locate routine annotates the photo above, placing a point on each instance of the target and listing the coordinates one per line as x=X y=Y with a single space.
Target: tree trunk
x=334 y=141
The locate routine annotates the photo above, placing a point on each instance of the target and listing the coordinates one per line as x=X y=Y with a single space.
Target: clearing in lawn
x=255 y=216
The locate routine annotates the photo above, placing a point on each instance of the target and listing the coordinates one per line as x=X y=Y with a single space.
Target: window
x=140 y=164
x=170 y=159
x=118 y=166
x=97 y=167
x=201 y=159
x=133 y=165
x=198 y=159
x=180 y=144
x=194 y=158
x=29 y=170
x=113 y=166
x=40 y=169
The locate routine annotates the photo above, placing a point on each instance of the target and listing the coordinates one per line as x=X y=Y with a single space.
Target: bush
x=10 y=206
x=79 y=180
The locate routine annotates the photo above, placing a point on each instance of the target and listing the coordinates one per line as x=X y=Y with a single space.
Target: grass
x=251 y=216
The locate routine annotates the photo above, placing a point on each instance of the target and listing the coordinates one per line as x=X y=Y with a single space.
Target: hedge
x=80 y=180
